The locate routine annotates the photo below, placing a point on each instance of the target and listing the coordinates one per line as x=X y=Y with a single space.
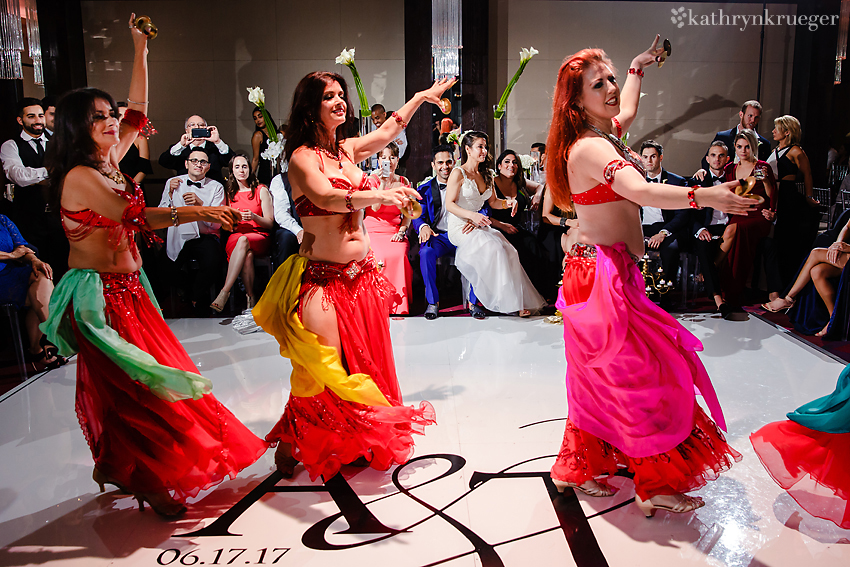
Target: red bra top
x=306 y=208
x=133 y=220
x=603 y=193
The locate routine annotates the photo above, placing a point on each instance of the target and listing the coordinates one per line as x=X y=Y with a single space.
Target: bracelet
x=174 y=220
x=400 y=120
x=348 y=196
x=691 y=194
x=134 y=102
x=634 y=71
x=563 y=221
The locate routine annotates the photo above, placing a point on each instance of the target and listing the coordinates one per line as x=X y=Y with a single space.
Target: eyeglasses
x=196 y=161
x=193 y=125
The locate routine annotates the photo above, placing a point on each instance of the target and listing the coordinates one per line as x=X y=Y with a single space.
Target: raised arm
x=594 y=154
x=305 y=176
x=373 y=142
x=137 y=99
x=630 y=93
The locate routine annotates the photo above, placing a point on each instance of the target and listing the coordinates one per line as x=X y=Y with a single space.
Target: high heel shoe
x=789 y=301
x=102 y=480
x=284 y=461
x=251 y=301
x=591 y=488
x=686 y=504
x=220 y=301
x=162 y=503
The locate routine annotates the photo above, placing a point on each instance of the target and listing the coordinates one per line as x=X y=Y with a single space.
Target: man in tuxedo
x=219 y=153
x=288 y=232
x=709 y=224
x=663 y=228
x=195 y=240
x=749 y=115
x=432 y=226
x=23 y=163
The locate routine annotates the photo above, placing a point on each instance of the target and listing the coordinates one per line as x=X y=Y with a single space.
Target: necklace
x=337 y=158
x=627 y=152
x=115 y=176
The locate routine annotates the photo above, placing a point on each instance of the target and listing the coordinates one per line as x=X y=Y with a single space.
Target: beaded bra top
x=306 y=208
x=604 y=193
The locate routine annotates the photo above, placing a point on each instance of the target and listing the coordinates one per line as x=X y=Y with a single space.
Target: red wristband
x=399 y=119
x=691 y=194
x=348 y=196
x=633 y=71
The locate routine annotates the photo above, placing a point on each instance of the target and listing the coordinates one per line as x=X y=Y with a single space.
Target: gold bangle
x=174 y=220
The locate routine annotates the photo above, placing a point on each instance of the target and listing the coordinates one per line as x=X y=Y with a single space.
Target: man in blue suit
x=750 y=115
x=432 y=226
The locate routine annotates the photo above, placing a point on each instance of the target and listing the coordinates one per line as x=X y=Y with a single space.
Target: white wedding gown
x=488 y=260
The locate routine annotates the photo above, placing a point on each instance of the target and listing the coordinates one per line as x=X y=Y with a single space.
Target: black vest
x=30 y=200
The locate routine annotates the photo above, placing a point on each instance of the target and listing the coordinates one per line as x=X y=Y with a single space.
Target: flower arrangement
x=257 y=97
x=524 y=57
x=527 y=162
x=346 y=57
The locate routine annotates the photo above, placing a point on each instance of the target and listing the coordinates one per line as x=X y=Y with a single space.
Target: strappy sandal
x=220 y=301
x=686 y=504
x=767 y=307
x=41 y=358
x=591 y=487
x=51 y=350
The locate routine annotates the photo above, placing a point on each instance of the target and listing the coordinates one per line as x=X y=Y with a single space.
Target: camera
x=200 y=133
x=385 y=168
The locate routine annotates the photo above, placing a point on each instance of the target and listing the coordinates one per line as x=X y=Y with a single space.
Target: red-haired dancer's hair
x=568 y=121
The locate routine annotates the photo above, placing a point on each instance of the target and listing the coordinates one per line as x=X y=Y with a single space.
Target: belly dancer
x=153 y=426
x=329 y=306
x=631 y=368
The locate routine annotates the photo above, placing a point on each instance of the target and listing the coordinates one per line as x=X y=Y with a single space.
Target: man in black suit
x=749 y=115
x=709 y=224
x=219 y=153
x=663 y=229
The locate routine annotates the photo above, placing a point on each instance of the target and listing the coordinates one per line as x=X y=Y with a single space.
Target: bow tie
x=654 y=180
x=194 y=183
x=441 y=186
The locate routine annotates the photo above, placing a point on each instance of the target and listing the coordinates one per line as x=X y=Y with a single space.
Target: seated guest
x=510 y=182
x=744 y=232
x=195 y=240
x=797 y=214
x=432 y=226
x=387 y=229
x=218 y=153
x=749 y=117
x=663 y=228
x=27 y=281
x=259 y=143
x=710 y=224
x=287 y=231
x=23 y=163
x=251 y=237
x=820 y=268
x=136 y=162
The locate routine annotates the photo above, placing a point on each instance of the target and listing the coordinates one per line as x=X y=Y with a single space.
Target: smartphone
x=535 y=155
x=385 y=168
x=200 y=133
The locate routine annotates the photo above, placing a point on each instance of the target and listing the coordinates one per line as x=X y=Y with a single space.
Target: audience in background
x=218 y=153
x=664 y=229
x=262 y=167
x=136 y=163
x=23 y=163
x=48 y=104
x=194 y=244
x=379 y=116
x=387 y=229
x=749 y=116
x=251 y=237
x=287 y=231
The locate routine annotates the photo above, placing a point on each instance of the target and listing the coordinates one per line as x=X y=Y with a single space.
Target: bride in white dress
x=484 y=256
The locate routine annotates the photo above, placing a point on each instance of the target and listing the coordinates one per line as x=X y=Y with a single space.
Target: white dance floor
x=475 y=494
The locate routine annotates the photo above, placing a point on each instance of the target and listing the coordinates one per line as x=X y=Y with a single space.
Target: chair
x=17 y=339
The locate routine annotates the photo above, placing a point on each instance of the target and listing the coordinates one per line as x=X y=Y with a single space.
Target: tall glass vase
x=501 y=130
x=365 y=128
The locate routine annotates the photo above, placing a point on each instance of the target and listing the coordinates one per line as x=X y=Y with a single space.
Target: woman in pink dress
x=632 y=370
x=251 y=237
x=388 y=229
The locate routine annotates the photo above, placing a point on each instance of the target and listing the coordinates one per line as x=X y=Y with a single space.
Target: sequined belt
x=581 y=250
x=317 y=271
x=119 y=283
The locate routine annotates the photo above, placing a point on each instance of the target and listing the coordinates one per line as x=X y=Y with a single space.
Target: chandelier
x=841 y=52
x=446 y=37
x=12 y=40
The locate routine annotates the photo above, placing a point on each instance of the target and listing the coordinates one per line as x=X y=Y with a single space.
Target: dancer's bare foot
x=284 y=461
x=676 y=503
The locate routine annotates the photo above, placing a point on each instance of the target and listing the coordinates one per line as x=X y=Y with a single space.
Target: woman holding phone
x=387 y=229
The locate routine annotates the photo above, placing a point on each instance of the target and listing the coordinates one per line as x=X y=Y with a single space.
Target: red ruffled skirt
x=813 y=466
x=145 y=443
x=701 y=457
x=327 y=432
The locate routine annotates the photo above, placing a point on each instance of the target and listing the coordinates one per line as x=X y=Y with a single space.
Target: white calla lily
x=527 y=54
x=256 y=96
x=346 y=57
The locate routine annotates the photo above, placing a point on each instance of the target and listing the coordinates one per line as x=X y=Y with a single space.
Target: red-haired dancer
x=329 y=306
x=152 y=424
x=631 y=367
